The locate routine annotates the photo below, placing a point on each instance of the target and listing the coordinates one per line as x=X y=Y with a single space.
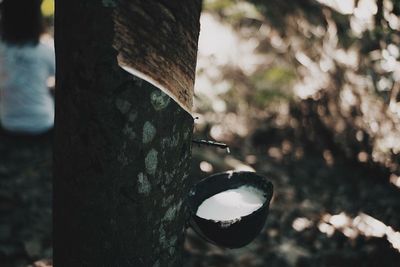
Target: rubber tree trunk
x=122 y=145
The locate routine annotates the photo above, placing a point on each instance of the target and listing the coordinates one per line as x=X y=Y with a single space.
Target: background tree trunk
x=122 y=146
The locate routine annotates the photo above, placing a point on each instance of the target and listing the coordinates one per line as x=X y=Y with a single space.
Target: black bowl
x=235 y=233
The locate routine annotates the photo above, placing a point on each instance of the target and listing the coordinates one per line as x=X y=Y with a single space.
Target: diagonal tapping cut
x=165 y=61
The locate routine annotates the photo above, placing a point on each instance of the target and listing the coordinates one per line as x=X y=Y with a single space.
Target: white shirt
x=26 y=105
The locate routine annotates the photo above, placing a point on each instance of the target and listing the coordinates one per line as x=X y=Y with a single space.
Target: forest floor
x=335 y=213
x=25 y=200
x=324 y=213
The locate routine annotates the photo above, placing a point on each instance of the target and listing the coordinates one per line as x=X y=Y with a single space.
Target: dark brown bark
x=122 y=146
x=160 y=43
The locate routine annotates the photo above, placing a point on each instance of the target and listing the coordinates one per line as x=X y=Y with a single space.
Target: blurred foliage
x=232 y=10
x=269 y=84
x=47 y=8
x=307 y=93
x=331 y=68
x=218 y=6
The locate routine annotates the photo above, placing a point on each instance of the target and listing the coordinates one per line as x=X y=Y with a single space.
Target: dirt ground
x=25 y=200
x=309 y=192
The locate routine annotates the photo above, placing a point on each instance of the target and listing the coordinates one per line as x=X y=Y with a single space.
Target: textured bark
x=163 y=43
x=122 y=146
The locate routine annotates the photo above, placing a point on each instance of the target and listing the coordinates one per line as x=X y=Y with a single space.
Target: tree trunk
x=122 y=145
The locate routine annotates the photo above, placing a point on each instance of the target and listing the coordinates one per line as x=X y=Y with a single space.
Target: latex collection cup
x=230 y=209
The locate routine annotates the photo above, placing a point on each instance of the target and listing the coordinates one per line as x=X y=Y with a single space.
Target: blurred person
x=26 y=64
x=26 y=123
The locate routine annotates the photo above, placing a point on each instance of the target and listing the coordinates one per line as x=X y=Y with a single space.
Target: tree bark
x=122 y=146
